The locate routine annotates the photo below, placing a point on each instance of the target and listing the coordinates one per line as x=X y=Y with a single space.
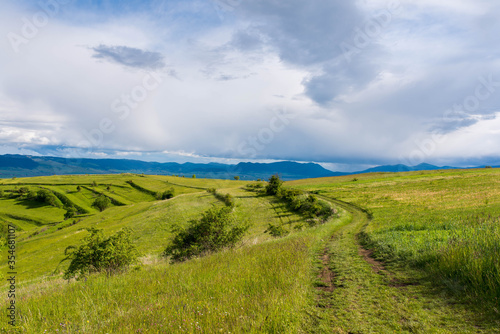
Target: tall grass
x=259 y=289
x=471 y=257
x=441 y=222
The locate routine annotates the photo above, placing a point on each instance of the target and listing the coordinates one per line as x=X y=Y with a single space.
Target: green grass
x=442 y=222
x=437 y=234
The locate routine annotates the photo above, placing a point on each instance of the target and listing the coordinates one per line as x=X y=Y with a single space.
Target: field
x=410 y=252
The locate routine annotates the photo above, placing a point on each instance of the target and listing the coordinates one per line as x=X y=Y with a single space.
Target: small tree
x=194 y=176
x=78 y=188
x=236 y=178
x=214 y=231
x=274 y=185
x=102 y=203
x=98 y=254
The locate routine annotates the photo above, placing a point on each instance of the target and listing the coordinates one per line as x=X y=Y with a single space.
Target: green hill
x=412 y=252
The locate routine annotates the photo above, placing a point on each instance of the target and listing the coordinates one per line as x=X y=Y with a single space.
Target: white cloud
x=224 y=80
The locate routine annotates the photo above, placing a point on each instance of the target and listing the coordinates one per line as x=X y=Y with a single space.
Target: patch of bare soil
x=326 y=274
x=379 y=268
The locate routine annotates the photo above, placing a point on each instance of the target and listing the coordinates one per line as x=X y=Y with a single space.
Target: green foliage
x=307 y=205
x=94 y=184
x=276 y=230
x=78 y=189
x=32 y=195
x=194 y=176
x=46 y=196
x=167 y=194
x=102 y=203
x=274 y=185
x=214 y=231
x=212 y=190
x=2 y=194
x=70 y=212
x=23 y=191
x=236 y=178
x=99 y=254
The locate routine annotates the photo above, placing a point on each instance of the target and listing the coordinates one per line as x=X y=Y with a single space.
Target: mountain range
x=26 y=166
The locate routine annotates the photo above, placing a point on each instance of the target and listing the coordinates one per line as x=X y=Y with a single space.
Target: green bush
x=276 y=230
x=46 y=196
x=70 y=212
x=102 y=203
x=214 y=231
x=99 y=254
x=167 y=194
x=274 y=185
x=23 y=191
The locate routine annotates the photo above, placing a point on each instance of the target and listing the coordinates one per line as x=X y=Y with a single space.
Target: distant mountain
x=404 y=168
x=25 y=166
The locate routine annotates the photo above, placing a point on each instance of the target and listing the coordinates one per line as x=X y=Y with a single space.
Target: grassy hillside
x=409 y=253
x=444 y=222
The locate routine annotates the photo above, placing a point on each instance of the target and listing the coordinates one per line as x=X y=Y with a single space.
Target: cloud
x=232 y=74
x=130 y=57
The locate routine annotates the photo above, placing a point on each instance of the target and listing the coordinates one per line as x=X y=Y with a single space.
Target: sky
x=349 y=84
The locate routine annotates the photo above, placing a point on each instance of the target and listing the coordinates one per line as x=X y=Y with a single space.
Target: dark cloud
x=311 y=35
x=130 y=57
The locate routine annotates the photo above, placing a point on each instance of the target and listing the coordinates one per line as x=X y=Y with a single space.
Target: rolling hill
x=411 y=252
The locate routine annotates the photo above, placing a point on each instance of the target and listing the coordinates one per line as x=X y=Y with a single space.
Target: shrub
x=1 y=193
x=226 y=198
x=32 y=195
x=98 y=254
x=46 y=196
x=70 y=213
x=78 y=188
x=276 y=230
x=274 y=185
x=102 y=203
x=23 y=191
x=236 y=178
x=214 y=231
x=167 y=194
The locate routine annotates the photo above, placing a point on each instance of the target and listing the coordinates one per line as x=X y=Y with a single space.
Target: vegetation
x=214 y=231
x=276 y=231
x=70 y=212
x=102 y=203
x=167 y=194
x=47 y=197
x=100 y=254
x=443 y=224
x=274 y=185
x=406 y=253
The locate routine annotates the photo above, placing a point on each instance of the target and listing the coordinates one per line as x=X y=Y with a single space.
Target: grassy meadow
x=446 y=223
x=434 y=269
